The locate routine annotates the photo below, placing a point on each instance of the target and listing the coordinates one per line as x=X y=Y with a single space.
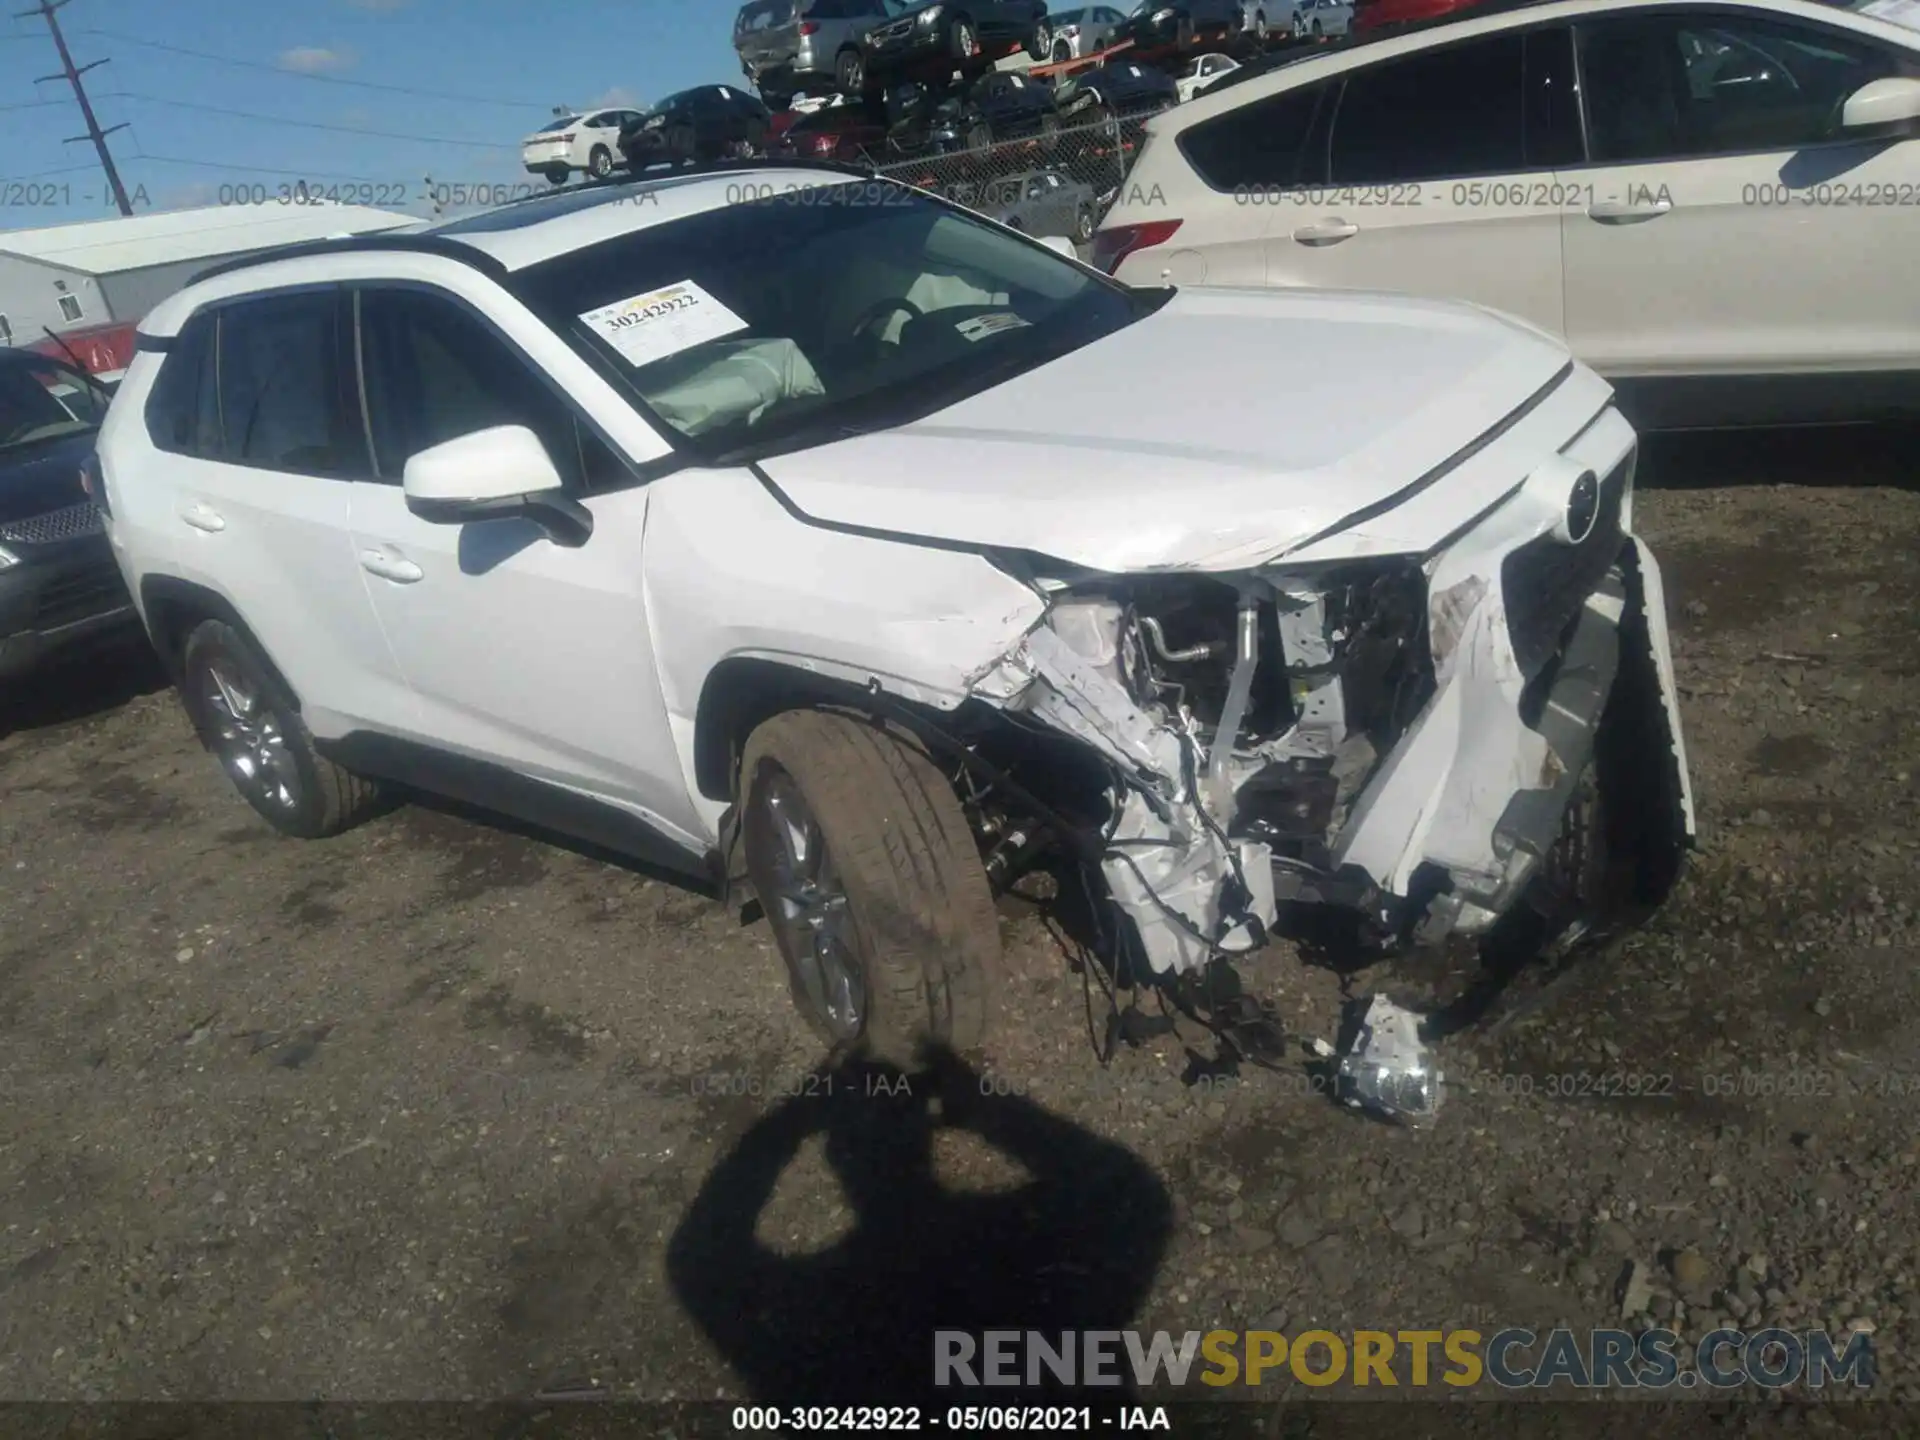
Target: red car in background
x=835 y=132
x=1377 y=16
x=103 y=351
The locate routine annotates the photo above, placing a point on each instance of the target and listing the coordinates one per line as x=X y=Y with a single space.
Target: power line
x=32 y=104
x=322 y=79
x=303 y=124
x=253 y=169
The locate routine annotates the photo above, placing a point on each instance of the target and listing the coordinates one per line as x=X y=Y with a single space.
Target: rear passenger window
x=183 y=412
x=435 y=372
x=283 y=392
x=1259 y=146
x=1433 y=116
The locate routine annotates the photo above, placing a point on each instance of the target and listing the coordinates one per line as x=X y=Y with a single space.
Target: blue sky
x=503 y=63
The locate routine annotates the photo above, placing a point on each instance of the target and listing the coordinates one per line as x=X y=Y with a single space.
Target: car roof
x=1260 y=78
x=514 y=236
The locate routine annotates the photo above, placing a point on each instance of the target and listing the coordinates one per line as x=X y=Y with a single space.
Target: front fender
x=732 y=574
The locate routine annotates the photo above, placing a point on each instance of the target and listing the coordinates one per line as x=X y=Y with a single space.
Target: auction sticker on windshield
x=663 y=322
x=978 y=327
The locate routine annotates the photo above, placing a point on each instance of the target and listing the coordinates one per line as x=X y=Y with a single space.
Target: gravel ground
x=417 y=1113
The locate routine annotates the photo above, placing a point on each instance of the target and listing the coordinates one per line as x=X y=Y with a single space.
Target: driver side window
x=1678 y=86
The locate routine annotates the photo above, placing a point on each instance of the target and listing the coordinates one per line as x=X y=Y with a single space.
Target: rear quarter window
x=1261 y=145
x=183 y=410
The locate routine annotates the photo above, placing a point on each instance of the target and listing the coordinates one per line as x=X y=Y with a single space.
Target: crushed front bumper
x=1432 y=816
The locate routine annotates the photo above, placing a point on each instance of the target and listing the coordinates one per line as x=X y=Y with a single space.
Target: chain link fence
x=1057 y=181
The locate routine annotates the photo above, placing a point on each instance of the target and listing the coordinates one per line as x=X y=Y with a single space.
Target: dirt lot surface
x=419 y=1112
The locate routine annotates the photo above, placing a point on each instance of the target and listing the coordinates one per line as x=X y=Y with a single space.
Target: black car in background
x=1006 y=105
x=944 y=36
x=1182 y=27
x=59 y=585
x=1120 y=86
x=710 y=122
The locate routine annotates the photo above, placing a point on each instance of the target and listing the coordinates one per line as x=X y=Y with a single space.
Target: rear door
x=1731 y=227
x=1436 y=182
x=261 y=469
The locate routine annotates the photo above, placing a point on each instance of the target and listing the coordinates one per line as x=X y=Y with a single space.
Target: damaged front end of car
x=1400 y=736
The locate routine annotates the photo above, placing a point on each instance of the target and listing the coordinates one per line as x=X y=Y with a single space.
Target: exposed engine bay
x=1398 y=737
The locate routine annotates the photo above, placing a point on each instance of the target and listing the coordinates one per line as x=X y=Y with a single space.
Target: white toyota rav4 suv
x=734 y=516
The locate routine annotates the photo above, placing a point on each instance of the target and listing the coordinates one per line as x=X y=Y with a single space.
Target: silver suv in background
x=790 y=46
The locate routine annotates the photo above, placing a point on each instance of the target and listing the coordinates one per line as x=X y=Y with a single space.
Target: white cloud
x=619 y=96
x=315 y=59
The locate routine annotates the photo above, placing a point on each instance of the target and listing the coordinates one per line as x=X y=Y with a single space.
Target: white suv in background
x=713 y=528
x=1721 y=217
x=588 y=142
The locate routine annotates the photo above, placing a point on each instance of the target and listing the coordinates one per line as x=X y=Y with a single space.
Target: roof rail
x=355 y=244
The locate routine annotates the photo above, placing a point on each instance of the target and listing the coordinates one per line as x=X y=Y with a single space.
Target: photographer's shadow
x=1075 y=1248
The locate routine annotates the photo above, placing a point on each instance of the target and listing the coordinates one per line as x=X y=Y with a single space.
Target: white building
x=99 y=272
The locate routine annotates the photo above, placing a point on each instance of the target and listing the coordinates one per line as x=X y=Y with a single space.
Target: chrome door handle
x=390 y=567
x=1327 y=232
x=200 y=517
x=1621 y=212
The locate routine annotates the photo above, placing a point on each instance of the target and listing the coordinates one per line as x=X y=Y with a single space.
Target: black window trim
x=1910 y=56
x=638 y=473
x=1316 y=122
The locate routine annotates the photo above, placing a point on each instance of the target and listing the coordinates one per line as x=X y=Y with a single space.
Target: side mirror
x=1887 y=109
x=502 y=473
x=1061 y=244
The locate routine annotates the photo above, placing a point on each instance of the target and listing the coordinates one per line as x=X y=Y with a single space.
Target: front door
x=1732 y=227
x=524 y=654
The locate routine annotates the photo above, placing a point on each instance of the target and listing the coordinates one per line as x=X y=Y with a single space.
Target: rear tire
x=961 y=40
x=914 y=926
x=1061 y=51
x=1040 y=42
x=600 y=162
x=252 y=726
x=557 y=175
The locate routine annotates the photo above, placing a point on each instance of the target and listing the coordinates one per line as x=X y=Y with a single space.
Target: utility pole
x=72 y=77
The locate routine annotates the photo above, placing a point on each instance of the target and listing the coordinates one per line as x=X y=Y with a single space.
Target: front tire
x=254 y=729
x=962 y=41
x=872 y=884
x=1083 y=226
x=1040 y=42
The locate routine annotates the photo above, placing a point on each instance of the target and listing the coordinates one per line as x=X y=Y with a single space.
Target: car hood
x=1216 y=433
x=36 y=478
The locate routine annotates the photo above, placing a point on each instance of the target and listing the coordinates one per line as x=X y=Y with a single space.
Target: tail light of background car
x=809 y=27
x=1112 y=246
x=824 y=144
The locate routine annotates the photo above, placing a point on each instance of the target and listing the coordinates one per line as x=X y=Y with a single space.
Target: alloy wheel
x=250 y=740
x=810 y=908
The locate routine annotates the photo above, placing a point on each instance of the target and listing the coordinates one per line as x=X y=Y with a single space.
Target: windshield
x=47 y=400
x=558 y=125
x=798 y=318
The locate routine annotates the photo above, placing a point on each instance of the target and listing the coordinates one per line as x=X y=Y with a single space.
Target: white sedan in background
x=1721 y=218
x=589 y=142
x=1201 y=72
